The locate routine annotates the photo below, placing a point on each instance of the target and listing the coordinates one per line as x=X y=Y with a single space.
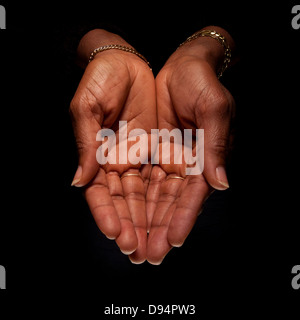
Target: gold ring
x=174 y=177
x=131 y=175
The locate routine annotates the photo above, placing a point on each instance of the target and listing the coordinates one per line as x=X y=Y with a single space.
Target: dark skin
x=186 y=94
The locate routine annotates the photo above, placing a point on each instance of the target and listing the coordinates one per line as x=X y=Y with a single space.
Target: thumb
x=216 y=126
x=215 y=153
x=85 y=129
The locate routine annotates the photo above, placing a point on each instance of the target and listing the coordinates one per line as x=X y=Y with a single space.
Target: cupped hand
x=116 y=86
x=189 y=96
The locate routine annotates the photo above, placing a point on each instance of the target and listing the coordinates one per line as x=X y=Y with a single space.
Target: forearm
x=94 y=39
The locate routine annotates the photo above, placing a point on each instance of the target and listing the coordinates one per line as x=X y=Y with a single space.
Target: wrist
x=216 y=48
x=204 y=49
x=94 y=39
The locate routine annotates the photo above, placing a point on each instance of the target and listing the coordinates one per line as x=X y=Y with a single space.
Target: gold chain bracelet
x=221 y=39
x=118 y=47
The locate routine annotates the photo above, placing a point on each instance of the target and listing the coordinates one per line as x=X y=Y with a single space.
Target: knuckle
x=73 y=107
x=219 y=146
x=214 y=104
x=80 y=105
x=81 y=146
x=84 y=102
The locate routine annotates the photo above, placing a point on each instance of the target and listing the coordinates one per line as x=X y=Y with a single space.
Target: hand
x=115 y=86
x=189 y=96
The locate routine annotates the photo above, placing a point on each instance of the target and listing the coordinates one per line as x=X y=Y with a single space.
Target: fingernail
x=77 y=177
x=110 y=238
x=127 y=252
x=222 y=177
x=136 y=261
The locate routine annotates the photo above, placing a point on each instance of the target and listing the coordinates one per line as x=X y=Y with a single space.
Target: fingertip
x=77 y=177
x=109 y=225
x=110 y=237
x=158 y=246
x=113 y=232
x=176 y=237
x=84 y=174
x=155 y=262
x=127 y=240
x=126 y=248
x=139 y=255
x=176 y=243
x=180 y=227
x=222 y=176
x=127 y=252
x=88 y=167
x=156 y=258
x=217 y=178
x=135 y=260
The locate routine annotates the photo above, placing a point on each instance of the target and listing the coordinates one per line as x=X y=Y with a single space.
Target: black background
x=46 y=230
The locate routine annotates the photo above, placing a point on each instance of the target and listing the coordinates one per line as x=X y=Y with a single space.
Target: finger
x=102 y=207
x=127 y=239
x=152 y=196
x=134 y=194
x=145 y=172
x=189 y=203
x=85 y=126
x=158 y=245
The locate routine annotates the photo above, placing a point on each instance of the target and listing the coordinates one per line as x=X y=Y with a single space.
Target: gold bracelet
x=118 y=47
x=222 y=40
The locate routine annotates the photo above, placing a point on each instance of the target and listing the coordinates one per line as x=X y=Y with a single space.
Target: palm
x=128 y=94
